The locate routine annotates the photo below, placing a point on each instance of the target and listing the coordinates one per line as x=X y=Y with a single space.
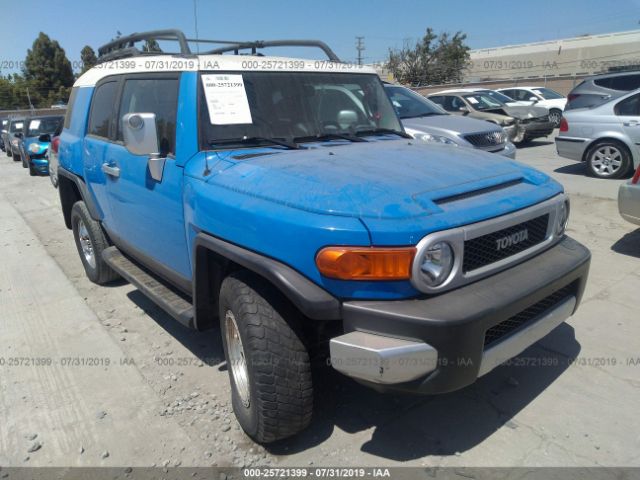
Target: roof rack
x=124 y=47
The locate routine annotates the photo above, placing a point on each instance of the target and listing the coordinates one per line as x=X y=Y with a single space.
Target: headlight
x=34 y=148
x=563 y=217
x=427 y=137
x=436 y=263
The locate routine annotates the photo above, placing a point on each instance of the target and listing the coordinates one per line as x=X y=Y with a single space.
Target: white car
x=542 y=96
x=492 y=93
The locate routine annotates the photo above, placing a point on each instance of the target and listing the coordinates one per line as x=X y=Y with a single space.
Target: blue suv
x=281 y=200
x=36 y=140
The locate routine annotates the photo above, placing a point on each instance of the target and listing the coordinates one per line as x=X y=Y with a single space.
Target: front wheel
x=268 y=364
x=555 y=116
x=90 y=242
x=608 y=159
x=32 y=170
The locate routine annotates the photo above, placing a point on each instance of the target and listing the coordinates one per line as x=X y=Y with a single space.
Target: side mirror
x=533 y=99
x=347 y=118
x=17 y=135
x=141 y=138
x=464 y=110
x=45 y=137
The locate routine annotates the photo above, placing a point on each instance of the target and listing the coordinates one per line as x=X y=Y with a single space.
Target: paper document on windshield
x=226 y=99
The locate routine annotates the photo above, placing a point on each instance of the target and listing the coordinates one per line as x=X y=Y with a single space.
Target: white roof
x=223 y=63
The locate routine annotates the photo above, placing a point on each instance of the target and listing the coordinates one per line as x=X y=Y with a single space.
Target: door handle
x=631 y=123
x=110 y=170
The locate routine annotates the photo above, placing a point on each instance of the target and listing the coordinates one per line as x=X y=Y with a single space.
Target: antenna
x=360 y=48
x=195 y=20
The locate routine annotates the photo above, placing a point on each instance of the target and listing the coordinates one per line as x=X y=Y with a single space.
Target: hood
x=382 y=179
x=525 y=112
x=449 y=125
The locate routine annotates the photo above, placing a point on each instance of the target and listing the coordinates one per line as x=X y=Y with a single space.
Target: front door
x=148 y=213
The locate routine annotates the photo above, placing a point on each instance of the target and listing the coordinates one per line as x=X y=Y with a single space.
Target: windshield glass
x=500 y=97
x=409 y=104
x=39 y=126
x=481 y=101
x=16 y=127
x=290 y=105
x=547 y=93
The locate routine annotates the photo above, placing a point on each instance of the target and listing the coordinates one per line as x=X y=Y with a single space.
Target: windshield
x=482 y=101
x=409 y=104
x=500 y=97
x=16 y=127
x=547 y=93
x=39 y=126
x=298 y=106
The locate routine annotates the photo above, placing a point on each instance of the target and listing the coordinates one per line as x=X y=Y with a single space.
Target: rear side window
x=72 y=101
x=102 y=105
x=159 y=96
x=628 y=107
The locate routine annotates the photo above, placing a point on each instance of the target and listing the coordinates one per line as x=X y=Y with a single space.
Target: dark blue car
x=35 y=142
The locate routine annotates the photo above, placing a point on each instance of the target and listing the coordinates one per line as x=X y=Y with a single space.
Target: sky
x=383 y=24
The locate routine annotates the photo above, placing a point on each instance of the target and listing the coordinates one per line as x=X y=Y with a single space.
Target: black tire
x=280 y=391
x=9 y=153
x=597 y=154
x=25 y=162
x=99 y=272
x=555 y=115
x=32 y=171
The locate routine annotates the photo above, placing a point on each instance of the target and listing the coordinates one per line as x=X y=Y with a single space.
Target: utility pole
x=29 y=98
x=360 y=48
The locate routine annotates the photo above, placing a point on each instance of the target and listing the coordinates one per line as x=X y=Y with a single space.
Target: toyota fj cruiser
x=280 y=198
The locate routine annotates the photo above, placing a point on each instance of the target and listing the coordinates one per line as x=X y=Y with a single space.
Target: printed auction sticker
x=226 y=99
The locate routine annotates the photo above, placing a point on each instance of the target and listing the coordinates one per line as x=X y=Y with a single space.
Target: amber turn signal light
x=366 y=263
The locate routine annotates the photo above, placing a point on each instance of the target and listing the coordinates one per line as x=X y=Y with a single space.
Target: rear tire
x=9 y=153
x=91 y=242
x=268 y=364
x=608 y=159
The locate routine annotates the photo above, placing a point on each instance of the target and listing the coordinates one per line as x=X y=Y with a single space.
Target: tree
x=432 y=60
x=151 y=45
x=47 y=72
x=88 y=58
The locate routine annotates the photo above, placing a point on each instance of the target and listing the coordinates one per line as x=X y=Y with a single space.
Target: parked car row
x=28 y=140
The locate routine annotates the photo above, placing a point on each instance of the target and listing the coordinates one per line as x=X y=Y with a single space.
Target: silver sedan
x=629 y=199
x=605 y=137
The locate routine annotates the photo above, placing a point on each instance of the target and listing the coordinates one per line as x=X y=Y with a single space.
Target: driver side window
x=153 y=95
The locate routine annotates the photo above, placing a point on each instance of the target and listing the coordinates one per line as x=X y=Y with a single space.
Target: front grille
x=486 y=139
x=511 y=325
x=495 y=246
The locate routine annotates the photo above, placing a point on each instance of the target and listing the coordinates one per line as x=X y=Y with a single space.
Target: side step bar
x=151 y=286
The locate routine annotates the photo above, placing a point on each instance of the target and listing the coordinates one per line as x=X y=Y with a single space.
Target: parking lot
x=109 y=379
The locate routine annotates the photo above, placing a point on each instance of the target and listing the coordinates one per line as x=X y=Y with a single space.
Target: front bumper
x=629 y=202
x=509 y=151
x=571 y=147
x=437 y=344
x=40 y=164
x=538 y=129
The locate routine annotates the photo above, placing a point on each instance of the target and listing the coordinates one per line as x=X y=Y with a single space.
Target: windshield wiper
x=383 y=131
x=256 y=141
x=330 y=136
